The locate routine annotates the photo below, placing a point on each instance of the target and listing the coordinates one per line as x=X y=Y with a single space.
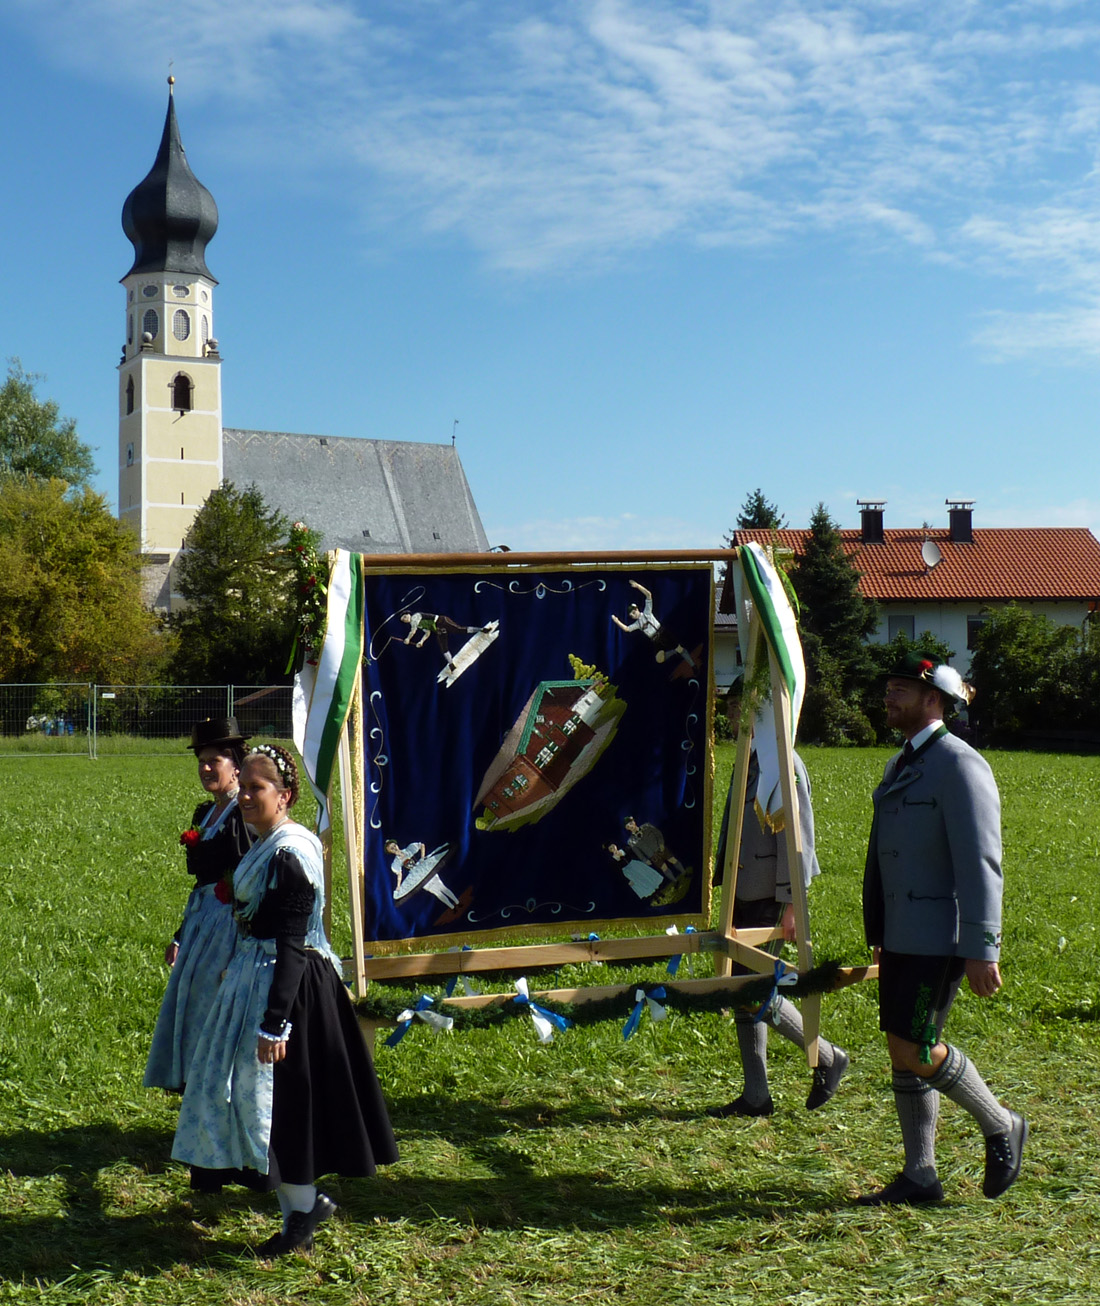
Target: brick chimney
x=870 y=520
x=960 y=517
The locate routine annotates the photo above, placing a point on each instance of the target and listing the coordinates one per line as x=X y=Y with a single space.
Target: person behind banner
x=763 y=900
x=282 y=1084
x=199 y=952
x=932 y=913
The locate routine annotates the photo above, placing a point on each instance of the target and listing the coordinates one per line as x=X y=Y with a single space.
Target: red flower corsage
x=189 y=838
x=223 y=891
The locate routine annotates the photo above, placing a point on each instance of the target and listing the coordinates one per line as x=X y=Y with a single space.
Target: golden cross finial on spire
x=171 y=78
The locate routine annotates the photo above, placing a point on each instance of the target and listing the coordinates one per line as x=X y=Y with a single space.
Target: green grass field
x=585 y=1171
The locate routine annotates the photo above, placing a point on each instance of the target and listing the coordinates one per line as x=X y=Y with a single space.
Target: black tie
x=906 y=755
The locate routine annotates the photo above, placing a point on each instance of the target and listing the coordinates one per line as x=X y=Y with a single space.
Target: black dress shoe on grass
x=1003 y=1154
x=827 y=1078
x=904 y=1191
x=739 y=1107
x=301 y=1224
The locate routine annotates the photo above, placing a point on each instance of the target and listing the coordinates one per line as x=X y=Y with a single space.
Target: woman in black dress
x=303 y=1099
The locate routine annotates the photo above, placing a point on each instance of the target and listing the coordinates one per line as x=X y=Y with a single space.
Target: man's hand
x=984 y=977
x=787 y=923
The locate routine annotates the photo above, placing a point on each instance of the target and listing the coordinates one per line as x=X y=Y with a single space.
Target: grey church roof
x=366 y=496
x=170 y=216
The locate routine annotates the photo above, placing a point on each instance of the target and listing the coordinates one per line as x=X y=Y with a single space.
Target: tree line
x=71 y=598
x=72 y=609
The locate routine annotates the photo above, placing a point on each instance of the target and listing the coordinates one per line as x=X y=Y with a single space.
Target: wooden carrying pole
x=736 y=825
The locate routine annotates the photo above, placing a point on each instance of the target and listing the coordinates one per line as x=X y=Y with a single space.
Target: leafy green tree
x=235 y=575
x=35 y=440
x=70 y=590
x=759 y=513
x=834 y=620
x=1029 y=673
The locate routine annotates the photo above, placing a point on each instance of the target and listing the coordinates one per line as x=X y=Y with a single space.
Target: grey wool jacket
x=933 y=883
x=762 y=866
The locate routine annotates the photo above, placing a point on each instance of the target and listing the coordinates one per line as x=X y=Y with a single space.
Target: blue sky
x=651 y=254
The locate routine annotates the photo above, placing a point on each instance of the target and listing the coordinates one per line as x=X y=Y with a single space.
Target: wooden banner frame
x=726 y=943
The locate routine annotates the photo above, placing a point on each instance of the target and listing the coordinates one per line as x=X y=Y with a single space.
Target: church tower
x=169 y=392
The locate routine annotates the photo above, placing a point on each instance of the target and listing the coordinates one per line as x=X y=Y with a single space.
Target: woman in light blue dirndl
x=282 y=1086
x=204 y=943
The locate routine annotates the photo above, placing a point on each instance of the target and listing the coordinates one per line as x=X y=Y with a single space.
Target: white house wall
x=947 y=621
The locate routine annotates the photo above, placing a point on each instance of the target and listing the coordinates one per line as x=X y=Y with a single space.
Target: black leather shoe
x=827 y=1079
x=903 y=1191
x=739 y=1107
x=1003 y=1155
x=276 y=1245
x=301 y=1224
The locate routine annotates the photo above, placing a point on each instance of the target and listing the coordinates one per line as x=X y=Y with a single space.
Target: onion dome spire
x=170 y=216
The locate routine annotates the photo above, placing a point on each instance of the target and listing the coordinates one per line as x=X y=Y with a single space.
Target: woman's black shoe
x=301 y=1224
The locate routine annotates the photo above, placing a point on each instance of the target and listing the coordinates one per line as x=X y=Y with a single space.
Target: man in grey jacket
x=932 y=914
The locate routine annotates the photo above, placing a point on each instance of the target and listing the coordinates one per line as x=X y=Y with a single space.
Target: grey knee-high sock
x=958 y=1080
x=918 y=1108
x=752 y=1041
x=787 y=1019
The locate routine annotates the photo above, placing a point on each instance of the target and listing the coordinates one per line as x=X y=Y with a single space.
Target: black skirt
x=328 y=1112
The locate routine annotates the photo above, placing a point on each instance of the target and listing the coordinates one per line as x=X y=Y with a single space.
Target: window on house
x=181 y=324
x=150 y=323
x=129 y=396
x=900 y=625
x=973 y=625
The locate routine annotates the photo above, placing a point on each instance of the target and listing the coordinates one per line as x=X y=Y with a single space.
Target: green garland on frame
x=311 y=591
x=385 y=1008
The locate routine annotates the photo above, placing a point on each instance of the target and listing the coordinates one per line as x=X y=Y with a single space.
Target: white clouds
x=574 y=130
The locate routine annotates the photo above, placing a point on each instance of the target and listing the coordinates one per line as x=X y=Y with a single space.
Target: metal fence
x=58 y=720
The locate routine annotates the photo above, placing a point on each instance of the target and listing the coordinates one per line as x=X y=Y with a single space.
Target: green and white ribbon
x=757 y=585
x=323 y=693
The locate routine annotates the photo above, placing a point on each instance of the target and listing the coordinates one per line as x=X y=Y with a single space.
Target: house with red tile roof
x=941 y=579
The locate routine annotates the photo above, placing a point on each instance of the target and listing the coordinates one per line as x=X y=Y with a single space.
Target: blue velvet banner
x=536 y=749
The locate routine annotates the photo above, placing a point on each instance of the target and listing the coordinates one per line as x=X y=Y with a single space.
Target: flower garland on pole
x=311 y=590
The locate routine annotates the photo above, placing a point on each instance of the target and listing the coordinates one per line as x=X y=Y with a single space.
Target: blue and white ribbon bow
x=545 y=1021
x=643 y=999
x=781 y=978
x=469 y=990
x=433 y=1019
x=674 y=962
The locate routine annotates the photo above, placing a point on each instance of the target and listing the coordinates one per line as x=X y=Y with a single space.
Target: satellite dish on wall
x=930 y=552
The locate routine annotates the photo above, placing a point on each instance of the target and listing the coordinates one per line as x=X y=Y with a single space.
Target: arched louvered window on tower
x=181 y=324
x=129 y=396
x=150 y=323
x=182 y=389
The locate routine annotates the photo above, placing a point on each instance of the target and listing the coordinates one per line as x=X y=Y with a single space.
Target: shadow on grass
x=458 y=1119
x=80 y=1223
x=84 y=1234
x=1083 y=1013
